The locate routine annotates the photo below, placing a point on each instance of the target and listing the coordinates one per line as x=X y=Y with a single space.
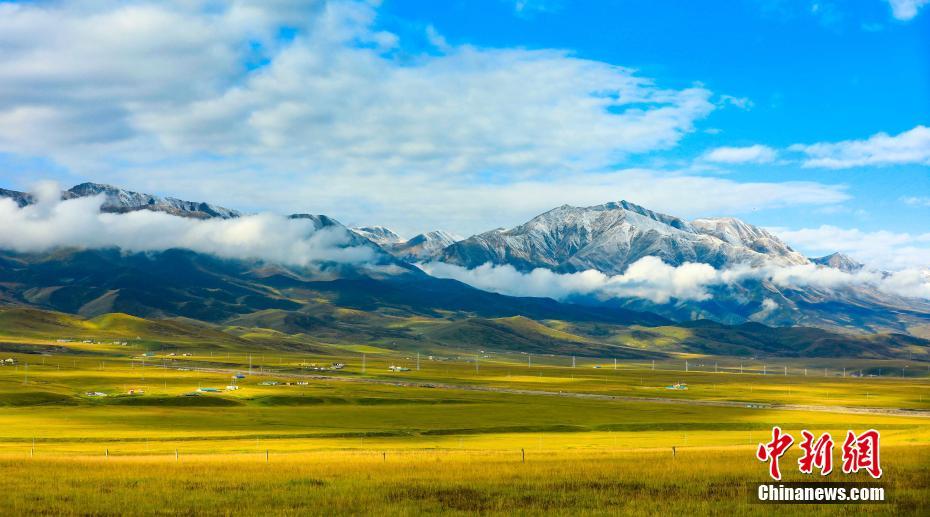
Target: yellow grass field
x=503 y=437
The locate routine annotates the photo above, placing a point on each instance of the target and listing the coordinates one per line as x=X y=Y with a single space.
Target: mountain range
x=610 y=237
x=607 y=238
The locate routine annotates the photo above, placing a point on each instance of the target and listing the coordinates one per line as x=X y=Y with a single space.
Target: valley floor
x=447 y=436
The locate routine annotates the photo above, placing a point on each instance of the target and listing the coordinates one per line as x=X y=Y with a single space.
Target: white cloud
x=137 y=83
x=651 y=279
x=768 y=307
x=879 y=249
x=916 y=200
x=750 y=154
x=744 y=103
x=343 y=119
x=906 y=9
x=648 y=278
x=52 y=223
x=415 y=202
x=908 y=147
x=528 y=6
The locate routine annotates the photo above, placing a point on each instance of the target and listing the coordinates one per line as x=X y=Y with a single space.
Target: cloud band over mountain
x=51 y=223
x=652 y=279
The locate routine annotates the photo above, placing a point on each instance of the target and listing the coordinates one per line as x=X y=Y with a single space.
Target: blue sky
x=807 y=117
x=813 y=71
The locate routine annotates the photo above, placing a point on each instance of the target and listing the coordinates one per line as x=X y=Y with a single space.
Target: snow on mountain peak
x=611 y=236
x=378 y=234
x=839 y=261
x=117 y=200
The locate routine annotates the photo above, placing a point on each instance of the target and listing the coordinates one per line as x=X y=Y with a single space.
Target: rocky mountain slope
x=610 y=237
x=607 y=238
x=839 y=261
x=117 y=200
x=423 y=247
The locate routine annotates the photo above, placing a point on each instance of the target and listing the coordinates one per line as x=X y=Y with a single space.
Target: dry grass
x=565 y=482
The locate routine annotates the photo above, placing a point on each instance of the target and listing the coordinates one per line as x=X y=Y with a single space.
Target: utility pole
x=250 y=364
x=529 y=361
x=418 y=361
x=653 y=365
x=573 y=361
x=686 y=365
x=740 y=367
x=363 y=363
x=615 y=363
x=477 y=357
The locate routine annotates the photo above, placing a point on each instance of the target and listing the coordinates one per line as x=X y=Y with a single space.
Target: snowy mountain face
x=117 y=200
x=424 y=247
x=612 y=236
x=741 y=234
x=378 y=234
x=839 y=261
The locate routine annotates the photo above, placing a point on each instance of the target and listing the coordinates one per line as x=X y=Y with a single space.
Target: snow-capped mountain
x=117 y=200
x=423 y=247
x=378 y=234
x=741 y=234
x=607 y=238
x=839 y=261
x=612 y=236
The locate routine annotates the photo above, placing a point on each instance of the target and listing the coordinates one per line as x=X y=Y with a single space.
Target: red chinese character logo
x=861 y=452
x=816 y=454
x=773 y=450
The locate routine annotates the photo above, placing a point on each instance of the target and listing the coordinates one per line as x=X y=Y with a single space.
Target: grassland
x=450 y=435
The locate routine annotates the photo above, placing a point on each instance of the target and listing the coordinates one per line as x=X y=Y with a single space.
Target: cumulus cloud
x=906 y=9
x=652 y=279
x=909 y=147
x=751 y=154
x=310 y=106
x=185 y=78
x=879 y=249
x=51 y=223
x=649 y=278
x=416 y=202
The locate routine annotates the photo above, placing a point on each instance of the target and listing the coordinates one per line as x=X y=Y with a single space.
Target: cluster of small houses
x=92 y=342
x=318 y=368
